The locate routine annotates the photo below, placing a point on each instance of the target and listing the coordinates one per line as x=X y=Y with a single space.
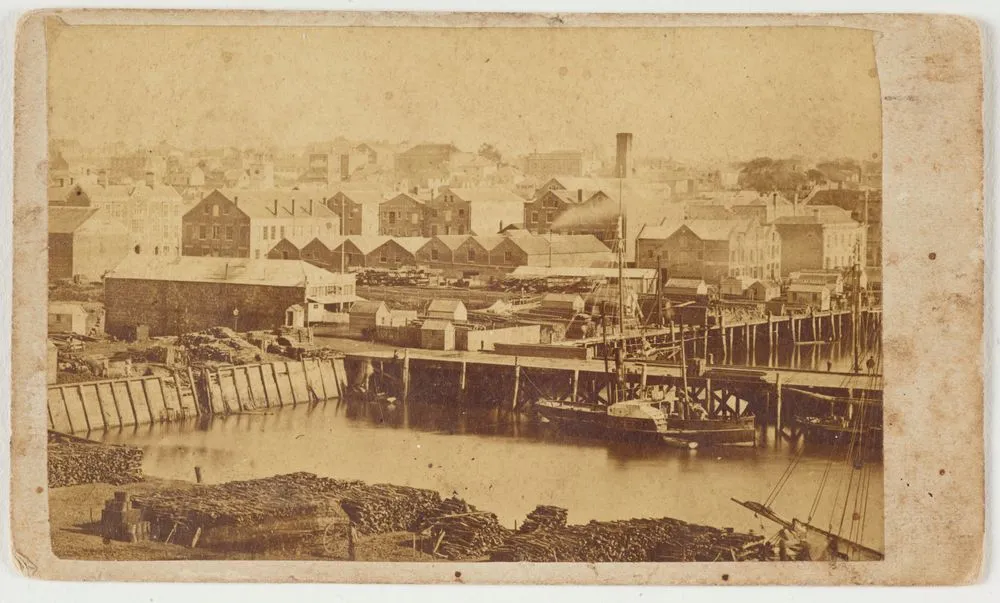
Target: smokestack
x=293 y=206
x=579 y=195
x=345 y=167
x=310 y=207
x=226 y=276
x=623 y=157
x=275 y=211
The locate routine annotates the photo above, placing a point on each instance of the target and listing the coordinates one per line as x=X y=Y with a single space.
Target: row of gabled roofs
x=529 y=243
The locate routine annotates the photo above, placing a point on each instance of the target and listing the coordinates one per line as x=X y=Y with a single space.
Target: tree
x=766 y=175
x=490 y=152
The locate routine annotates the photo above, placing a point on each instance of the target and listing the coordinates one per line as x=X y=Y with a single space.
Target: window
x=282 y=232
x=434 y=254
x=434 y=213
x=472 y=255
x=415 y=218
x=272 y=232
x=383 y=258
x=549 y=216
x=534 y=216
x=447 y=215
x=216 y=232
x=225 y=210
x=263 y=233
x=649 y=253
x=215 y=211
x=508 y=256
x=203 y=232
x=229 y=233
x=256 y=254
x=392 y=217
x=207 y=210
x=461 y=213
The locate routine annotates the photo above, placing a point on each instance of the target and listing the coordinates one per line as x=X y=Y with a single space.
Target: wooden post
x=517 y=383
x=709 y=398
x=746 y=341
x=732 y=351
x=197 y=474
x=406 y=374
x=462 y=379
x=777 y=411
x=576 y=384
x=642 y=381
x=770 y=335
x=705 y=340
x=725 y=348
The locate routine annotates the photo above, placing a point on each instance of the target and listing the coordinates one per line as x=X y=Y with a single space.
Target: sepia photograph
x=486 y=294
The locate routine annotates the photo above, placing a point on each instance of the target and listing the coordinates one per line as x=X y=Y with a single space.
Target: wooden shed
x=67 y=317
x=368 y=315
x=762 y=290
x=814 y=296
x=447 y=309
x=734 y=286
x=685 y=287
x=437 y=335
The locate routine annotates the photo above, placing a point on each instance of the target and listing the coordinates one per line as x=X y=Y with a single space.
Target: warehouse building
x=170 y=296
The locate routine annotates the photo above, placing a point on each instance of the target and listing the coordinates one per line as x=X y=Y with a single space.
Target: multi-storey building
x=825 y=238
x=401 y=216
x=250 y=223
x=358 y=211
x=479 y=211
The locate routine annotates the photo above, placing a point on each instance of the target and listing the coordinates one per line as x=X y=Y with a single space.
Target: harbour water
x=507 y=465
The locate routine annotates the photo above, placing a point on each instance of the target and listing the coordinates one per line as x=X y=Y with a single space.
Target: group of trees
x=766 y=175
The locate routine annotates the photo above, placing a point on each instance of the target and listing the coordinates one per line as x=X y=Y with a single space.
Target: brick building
x=250 y=223
x=857 y=202
x=825 y=238
x=178 y=295
x=712 y=250
x=401 y=216
x=477 y=211
x=361 y=208
x=85 y=242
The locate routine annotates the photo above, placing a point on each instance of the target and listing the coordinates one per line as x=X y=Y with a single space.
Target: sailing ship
x=853 y=437
x=645 y=413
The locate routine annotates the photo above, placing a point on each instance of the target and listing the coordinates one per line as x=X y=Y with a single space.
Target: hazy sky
x=692 y=93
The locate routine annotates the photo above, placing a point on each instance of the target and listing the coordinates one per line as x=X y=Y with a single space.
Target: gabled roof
x=685 y=283
x=430 y=148
x=367 y=243
x=445 y=305
x=66 y=220
x=406 y=196
x=807 y=288
x=411 y=244
x=706 y=230
x=819 y=214
x=291 y=203
x=361 y=197
x=452 y=242
x=296 y=241
x=65 y=307
x=367 y=307
x=489 y=242
x=239 y=271
x=434 y=324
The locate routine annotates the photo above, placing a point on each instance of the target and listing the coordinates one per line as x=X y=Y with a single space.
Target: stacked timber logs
x=219 y=344
x=544 y=517
x=384 y=508
x=73 y=461
x=467 y=535
x=633 y=540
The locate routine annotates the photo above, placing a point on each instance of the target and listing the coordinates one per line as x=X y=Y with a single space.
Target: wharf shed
x=177 y=295
x=85 y=242
x=68 y=317
x=816 y=297
x=437 y=335
x=762 y=290
x=562 y=302
x=447 y=309
x=685 y=287
x=440 y=250
x=368 y=314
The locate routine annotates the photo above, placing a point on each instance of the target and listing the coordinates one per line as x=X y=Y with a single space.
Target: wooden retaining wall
x=94 y=405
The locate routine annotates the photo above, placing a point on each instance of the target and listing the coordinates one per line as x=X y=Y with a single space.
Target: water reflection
x=501 y=462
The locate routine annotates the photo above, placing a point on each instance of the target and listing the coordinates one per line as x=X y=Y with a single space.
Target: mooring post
x=406 y=374
x=777 y=411
x=517 y=383
x=576 y=384
x=462 y=380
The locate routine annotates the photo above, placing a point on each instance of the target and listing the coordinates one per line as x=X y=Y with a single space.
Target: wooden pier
x=513 y=383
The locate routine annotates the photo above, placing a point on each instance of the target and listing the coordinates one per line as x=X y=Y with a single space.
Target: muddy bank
x=303 y=516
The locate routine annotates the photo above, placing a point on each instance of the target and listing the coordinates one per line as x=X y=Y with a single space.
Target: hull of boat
x=709 y=432
x=833 y=433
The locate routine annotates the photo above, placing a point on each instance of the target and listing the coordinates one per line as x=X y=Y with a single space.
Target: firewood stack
x=544 y=517
x=634 y=540
x=219 y=344
x=73 y=460
x=467 y=535
x=382 y=508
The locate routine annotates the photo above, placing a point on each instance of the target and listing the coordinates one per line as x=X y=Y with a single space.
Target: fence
x=94 y=405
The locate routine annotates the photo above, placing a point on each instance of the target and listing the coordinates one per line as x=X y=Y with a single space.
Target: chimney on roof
x=293 y=206
x=225 y=276
x=579 y=195
x=310 y=207
x=236 y=200
x=275 y=211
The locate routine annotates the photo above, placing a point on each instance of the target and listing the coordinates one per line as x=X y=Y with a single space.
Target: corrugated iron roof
x=66 y=220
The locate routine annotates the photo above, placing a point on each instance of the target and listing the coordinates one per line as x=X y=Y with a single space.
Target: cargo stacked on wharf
x=73 y=461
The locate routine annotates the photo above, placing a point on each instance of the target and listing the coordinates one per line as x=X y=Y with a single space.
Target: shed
x=67 y=317
x=763 y=290
x=447 y=309
x=437 y=335
x=368 y=314
x=814 y=296
x=831 y=279
x=295 y=316
x=685 y=287
x=734 y=286
x=563 y=302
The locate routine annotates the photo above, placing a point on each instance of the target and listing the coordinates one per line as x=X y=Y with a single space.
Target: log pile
x=544 y=517
x=382 y=508
x=73 y=461
x=467 y=535
x=219 y=344
x=633 y=540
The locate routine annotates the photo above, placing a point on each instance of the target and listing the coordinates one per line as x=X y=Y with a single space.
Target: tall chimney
x=579 y=195
x=623 y=157
x=310 y=207
x=275 y=207
x=293 y=206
